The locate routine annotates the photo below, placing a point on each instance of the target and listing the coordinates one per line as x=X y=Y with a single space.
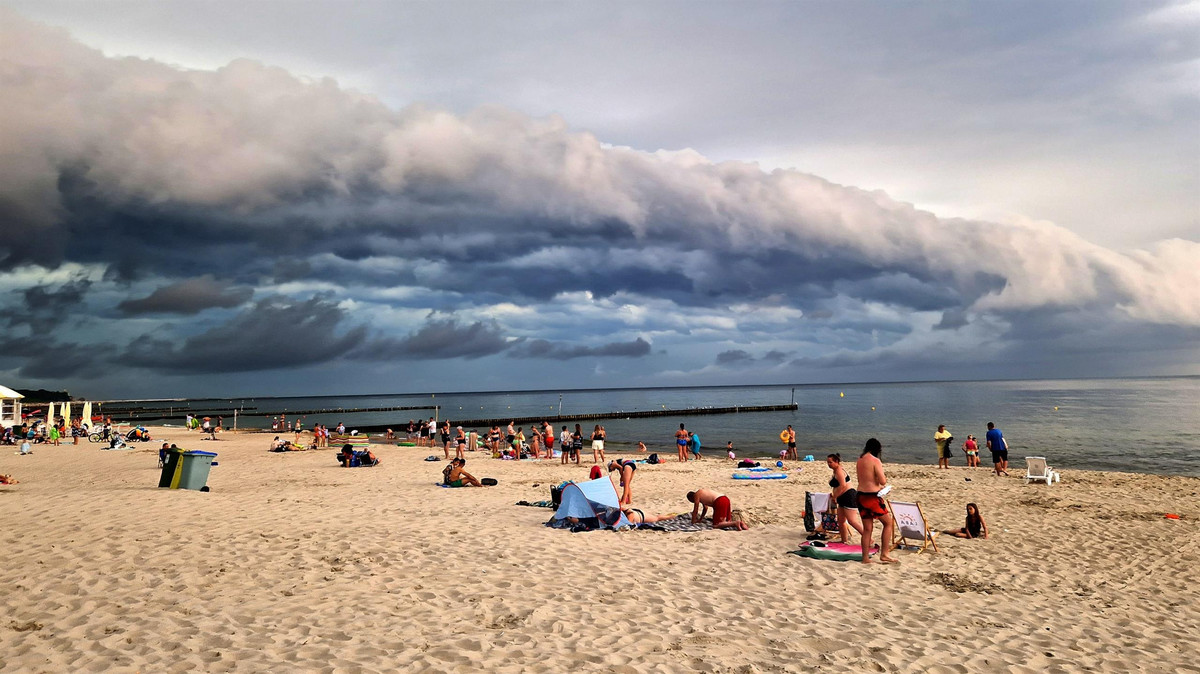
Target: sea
x=1145 y=425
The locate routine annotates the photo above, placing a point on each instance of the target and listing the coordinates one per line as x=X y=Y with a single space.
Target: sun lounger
x=1036 y=470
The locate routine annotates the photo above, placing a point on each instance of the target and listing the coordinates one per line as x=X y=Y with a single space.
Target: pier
x=593 y=416
x=145 y=414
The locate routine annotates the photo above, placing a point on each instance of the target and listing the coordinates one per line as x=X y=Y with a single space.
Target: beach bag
x=829 y=522
x=747 y=463
x=652 y=459
x=489 y=482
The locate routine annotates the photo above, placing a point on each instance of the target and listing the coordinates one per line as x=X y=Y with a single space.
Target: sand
x=292 y=563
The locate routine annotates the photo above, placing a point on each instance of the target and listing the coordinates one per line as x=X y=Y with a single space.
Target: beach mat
x=838 y=552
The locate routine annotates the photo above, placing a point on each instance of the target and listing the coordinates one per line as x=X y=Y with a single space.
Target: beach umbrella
x=87 y=414
x=50 y=415
x=66 y=413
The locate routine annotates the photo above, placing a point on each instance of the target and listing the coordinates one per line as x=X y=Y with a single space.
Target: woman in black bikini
x=626 y=467
x=846 y=497
x=637 y=517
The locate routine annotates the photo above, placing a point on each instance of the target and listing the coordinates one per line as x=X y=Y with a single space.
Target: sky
x=259 y=198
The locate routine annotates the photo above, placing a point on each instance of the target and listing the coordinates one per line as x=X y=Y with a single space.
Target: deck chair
x=911 y=525
x=1036 y=470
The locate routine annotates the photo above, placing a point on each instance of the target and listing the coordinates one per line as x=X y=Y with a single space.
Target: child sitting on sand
x=975 y=526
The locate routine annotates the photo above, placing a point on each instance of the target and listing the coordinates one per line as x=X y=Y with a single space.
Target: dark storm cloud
x=163 y=176
x=741 y=356
x=733 y=356
x=274 y=333
x=46 y=306
x=188 y=298
x=42 y=357
x=439 y=338
x=540 y=348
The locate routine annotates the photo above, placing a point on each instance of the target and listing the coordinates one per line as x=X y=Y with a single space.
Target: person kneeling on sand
x=871 y=506
x=453 y=475
x=722 y=516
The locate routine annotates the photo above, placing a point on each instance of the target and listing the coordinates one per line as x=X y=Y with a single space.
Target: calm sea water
x=1140 y=425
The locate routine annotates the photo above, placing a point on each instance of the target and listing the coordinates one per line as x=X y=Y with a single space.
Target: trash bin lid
x=199 y=453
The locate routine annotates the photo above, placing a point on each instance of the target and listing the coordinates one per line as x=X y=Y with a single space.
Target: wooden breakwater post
x=595 y=416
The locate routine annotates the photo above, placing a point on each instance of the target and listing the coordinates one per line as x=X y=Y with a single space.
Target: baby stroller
x=138 y=434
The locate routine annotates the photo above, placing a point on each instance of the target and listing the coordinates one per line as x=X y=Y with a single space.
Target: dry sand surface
x=292 y=563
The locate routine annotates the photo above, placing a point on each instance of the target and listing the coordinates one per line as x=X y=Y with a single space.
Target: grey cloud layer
x=250 y=174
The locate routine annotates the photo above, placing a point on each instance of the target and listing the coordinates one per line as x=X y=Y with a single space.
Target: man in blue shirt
x=996 y=443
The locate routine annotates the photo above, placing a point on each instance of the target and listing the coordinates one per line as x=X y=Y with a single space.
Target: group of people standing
x=994 y=441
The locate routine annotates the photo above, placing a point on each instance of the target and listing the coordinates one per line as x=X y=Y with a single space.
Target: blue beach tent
x=594 y=498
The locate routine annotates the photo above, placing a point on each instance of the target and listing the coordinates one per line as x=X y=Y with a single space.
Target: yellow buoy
x=1056 y=408
x=872 y=409
x=841 y=395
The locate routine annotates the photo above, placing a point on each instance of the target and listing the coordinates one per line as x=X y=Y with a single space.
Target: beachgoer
x=577 y=443
x=565 y=444
x=274 y=423
x=636 y=516
x=792 y=452
x=627 y=468
x=548 y=439
x=54 y=435
x=730 y=454
x=275 y=444
x=681 y=443
x=389 y=435
x=974 y=527
x=641 y=446
x=26 y=448
x=845 y=496
x=598 y=436
x=694 y=445
x=296 y=439
x=446 y=437
x=871 y=505
x=460 y=442
x=971 y=448
x=999 y=448
x=454 y=475
x=941 y=440
x=722 y=516
x=510 y=433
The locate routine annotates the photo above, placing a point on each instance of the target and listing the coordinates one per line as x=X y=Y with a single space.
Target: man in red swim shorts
x=722 y=517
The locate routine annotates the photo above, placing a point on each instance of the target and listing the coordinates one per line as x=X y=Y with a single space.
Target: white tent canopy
x=10 y=406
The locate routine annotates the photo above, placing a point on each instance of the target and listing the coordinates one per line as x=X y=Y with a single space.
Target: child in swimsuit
x=975 y=527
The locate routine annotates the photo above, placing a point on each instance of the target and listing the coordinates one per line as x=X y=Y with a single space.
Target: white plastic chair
x=1036 y=470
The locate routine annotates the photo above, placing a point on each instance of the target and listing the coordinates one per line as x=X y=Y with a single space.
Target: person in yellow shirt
x=942 y=439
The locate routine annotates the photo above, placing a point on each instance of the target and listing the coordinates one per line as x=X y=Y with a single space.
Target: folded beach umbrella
x=87 y=414
x=66 y=412
x=50 y=415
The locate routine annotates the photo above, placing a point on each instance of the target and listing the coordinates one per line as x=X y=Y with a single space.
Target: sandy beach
x=292 y=563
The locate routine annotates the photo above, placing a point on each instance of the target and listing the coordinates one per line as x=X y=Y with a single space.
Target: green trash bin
x=186 y=469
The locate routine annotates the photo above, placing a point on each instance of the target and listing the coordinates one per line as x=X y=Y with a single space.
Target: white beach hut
x=10 y=406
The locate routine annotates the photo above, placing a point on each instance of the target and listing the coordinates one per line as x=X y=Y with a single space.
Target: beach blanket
x=680 y=523
x=537 y=504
